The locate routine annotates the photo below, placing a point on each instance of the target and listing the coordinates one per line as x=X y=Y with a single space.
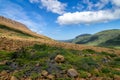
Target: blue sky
x=63 y=19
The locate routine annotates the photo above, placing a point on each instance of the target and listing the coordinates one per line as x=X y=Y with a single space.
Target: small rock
x=14 y=65
x=89 y=74
x=38 y=64
x=105 y=60
x=44 y=73
x=59 y=59
x=3 y=62
x=13 y=78
x=72 y=73
x=50 y=76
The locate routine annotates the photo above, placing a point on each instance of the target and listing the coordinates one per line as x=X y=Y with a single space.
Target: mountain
x=13 y=28
x=114 y=42
x=106 y=38
x=83 y=38
x=25 y=55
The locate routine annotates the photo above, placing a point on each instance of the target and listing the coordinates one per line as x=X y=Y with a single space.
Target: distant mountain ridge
x=106 y=38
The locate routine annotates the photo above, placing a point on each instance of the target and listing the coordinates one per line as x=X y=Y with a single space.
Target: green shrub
x=106 y=70
x=34 y=75
x=4 y=67
x=115 y=64
x=89 y=51
x=117 y=59
x=83 y=74
x=108 y=54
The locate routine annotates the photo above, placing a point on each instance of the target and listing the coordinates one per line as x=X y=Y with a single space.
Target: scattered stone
x=51 y=77
x=37 y=65
x=89 y=75
x=59 y=59
x=13 y=78
x=3 y=62
x=105 y=60
x=72 y=73
x=14 y=65
x=44 y=73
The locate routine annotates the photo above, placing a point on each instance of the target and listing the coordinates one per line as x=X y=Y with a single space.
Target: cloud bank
x=53 y=6
x=88 y=17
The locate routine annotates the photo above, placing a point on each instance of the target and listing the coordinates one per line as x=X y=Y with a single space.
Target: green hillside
x=81 y=39
x=107 y=38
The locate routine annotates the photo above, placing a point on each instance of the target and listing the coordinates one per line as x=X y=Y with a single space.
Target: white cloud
x=88 y=17
x=116 y=2
x=54 y=6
